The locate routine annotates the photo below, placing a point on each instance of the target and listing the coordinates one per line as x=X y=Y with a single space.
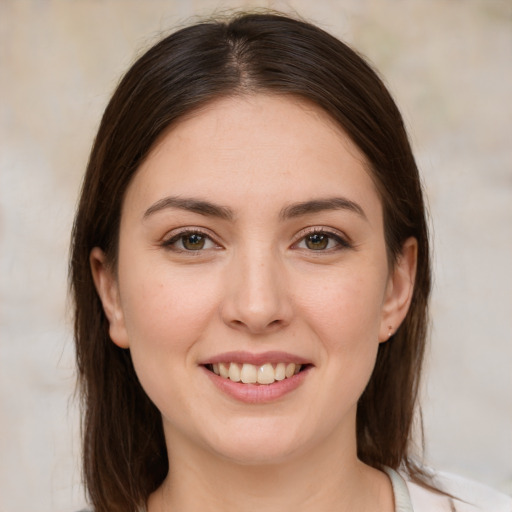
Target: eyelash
x=341 y=242
x=180 y=236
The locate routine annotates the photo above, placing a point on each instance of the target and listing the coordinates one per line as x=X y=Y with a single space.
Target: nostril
x=254 y=321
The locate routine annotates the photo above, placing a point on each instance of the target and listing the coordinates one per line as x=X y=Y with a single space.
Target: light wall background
x=448 y=63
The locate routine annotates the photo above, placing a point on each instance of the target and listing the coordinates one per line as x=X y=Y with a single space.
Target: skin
x=258 y=284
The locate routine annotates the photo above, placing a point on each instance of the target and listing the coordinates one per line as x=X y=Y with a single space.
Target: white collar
x=401 y=492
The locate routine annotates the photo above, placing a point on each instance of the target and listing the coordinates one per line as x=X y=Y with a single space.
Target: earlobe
x=108 y=291
x=399 y=290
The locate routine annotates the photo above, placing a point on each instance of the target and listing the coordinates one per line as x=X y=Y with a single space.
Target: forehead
x=245 y=148
x=253 y=119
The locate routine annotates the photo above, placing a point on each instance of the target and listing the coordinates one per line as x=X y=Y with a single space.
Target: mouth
x=264 y=374
x=253 y=378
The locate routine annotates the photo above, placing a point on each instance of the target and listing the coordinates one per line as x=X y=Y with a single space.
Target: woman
x=250 y=268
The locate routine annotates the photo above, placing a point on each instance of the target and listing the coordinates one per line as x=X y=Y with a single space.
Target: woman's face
x=252 y=247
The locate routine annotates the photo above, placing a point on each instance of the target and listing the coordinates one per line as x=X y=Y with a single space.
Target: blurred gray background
x=449 y=65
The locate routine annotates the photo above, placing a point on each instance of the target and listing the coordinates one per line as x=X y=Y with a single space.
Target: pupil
x=193 y=241
x=317 y=241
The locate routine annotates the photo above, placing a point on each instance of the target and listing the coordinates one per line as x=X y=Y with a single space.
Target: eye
x=190 y=241
x=322 y=241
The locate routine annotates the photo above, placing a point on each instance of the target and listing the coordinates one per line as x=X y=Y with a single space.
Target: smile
x=248 y=373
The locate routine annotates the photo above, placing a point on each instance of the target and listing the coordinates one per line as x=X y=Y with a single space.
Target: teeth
x=251 y=374
x=280 y=373
x=223 y=370
x=266 y=374
x=290 y=370
x=234 y=372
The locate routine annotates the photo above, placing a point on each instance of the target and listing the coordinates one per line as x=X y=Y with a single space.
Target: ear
x=108 y=290
x=399 y=290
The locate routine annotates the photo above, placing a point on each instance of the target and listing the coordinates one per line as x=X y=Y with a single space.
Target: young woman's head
x=251 y=205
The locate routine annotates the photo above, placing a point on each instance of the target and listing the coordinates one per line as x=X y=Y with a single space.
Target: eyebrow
x=209 y=209
x=319 y=205
x=192 y=205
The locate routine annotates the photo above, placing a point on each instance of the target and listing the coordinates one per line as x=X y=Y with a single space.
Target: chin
x=259 y=445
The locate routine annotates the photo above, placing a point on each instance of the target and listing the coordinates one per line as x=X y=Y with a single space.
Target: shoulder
x=470 y=496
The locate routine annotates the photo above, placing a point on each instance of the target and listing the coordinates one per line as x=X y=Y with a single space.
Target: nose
x=256 y=296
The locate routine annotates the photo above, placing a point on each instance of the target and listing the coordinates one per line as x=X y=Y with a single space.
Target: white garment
x=469 y=496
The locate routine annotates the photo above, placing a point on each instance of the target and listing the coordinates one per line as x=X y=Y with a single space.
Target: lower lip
x=257 y=393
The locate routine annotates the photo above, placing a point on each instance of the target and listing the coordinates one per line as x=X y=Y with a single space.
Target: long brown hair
x=124 y=453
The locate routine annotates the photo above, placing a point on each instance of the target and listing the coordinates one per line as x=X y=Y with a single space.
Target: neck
x=320 y=480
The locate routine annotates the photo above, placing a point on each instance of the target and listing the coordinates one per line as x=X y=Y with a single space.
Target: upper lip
x=241 y=357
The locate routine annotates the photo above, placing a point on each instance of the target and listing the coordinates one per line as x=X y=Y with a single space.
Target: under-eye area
x=247 y=373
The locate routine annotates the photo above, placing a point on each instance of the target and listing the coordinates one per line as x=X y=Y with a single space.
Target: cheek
x=166 y=317
x=345 y=317
x=345 y=308
x=166 y=311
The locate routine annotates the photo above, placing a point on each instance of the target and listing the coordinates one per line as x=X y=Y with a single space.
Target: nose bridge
x=257 y=297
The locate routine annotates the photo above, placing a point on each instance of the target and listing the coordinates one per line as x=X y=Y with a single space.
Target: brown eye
x=189 y=241
x=317 y=241
x=193 y=241
x=322 y=241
